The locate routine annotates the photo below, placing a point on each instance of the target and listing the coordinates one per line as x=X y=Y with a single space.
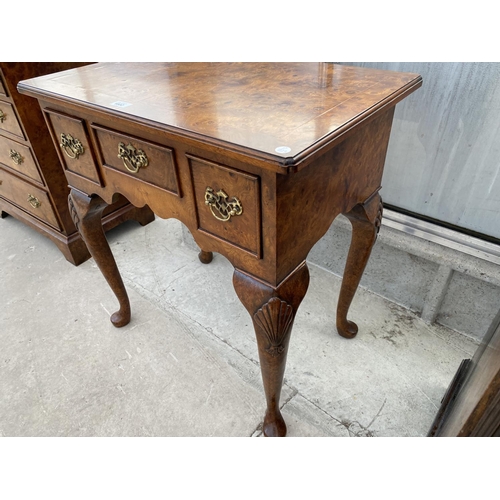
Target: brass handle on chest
x=16 y=157
x=71 y=146
x=33 y=201
x=221 y=206
x=3 y=116
x=133 y=159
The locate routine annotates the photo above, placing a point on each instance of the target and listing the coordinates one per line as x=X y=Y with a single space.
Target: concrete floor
x=187 y=363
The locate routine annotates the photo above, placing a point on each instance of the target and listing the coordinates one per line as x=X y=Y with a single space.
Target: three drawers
x=16 y=157
x=227 y=202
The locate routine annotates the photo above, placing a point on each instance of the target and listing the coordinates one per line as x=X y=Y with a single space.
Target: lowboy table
x=256 y=159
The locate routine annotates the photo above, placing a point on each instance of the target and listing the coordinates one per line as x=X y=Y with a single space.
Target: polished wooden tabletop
x=277 y=109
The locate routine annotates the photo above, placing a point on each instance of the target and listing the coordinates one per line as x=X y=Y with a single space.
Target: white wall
x=444 y=156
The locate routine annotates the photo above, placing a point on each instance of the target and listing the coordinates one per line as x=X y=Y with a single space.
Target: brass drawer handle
x=133 y=159
x=16 y=157
x=71 y=146
x=224 y=208
x=3 y=116
x=33 y=201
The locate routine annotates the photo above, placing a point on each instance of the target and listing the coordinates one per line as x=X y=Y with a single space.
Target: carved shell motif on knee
x=275 y=318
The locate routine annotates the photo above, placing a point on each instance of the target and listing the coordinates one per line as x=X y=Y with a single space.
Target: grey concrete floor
x=187 y=363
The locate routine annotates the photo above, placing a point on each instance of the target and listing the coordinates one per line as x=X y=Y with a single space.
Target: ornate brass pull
x=33 y=201
x=71 y=146
x=16 y=157
x=133 y=159
x=3 y=116
x=222 y=208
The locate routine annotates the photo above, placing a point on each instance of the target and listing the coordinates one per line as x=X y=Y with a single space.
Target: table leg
x=272 y=311
x=87 y=214
x=205 y=257
x=365 y=220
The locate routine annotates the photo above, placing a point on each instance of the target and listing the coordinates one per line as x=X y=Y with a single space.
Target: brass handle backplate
x=3 y=116
x=71 y=146
x=221 y=207
x=16 y=157
x=133 y=159
x=33 y=201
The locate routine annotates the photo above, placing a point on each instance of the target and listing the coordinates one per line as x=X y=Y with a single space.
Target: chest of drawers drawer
x=8 y=120
x=20 y=158
x=28 y=197
x=3 y=91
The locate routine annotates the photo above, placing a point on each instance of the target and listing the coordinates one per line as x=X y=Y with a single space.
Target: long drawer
x=28 y=197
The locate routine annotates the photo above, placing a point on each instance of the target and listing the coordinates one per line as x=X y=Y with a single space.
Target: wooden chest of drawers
x=33 y=187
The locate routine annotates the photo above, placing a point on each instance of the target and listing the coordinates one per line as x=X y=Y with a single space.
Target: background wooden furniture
x=33 y=187
x=471 y=406
x=256 y=159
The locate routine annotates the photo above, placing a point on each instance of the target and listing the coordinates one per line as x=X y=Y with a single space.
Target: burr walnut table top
x=277 y=110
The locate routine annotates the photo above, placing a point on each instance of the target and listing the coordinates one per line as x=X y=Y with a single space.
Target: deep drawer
x=227 y=204
x=72 y=141
x=8 y=120
x=28 y=197
x=19 y=157
x=144 y=160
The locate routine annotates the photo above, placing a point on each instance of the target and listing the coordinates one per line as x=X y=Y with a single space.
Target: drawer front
x=19 y=157
x=8 y=120
x=28 y=197
x=227 y=204
x=3 y=87
x=138 y=158
x=72 y=141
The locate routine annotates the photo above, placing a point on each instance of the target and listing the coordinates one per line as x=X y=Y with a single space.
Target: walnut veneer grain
x=264 y=157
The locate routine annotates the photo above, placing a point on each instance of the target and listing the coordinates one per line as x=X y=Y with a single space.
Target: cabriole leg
x=365 y=220
x=272 y=312
x=87 y=214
